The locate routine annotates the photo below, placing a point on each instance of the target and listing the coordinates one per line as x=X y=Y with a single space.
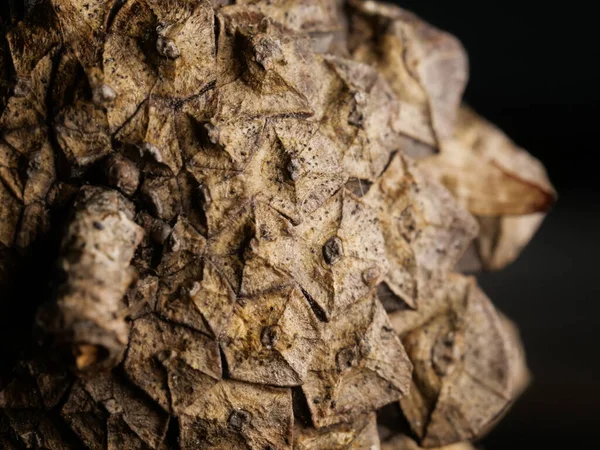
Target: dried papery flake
x=175 y=297
x=402 y=442
x=152 y=131
x=228 y=245
x=426 y=68
x=85 y=417
x=34 y=385
x=270 y=338
x=32 y=68
x=133 y=80
x=405 y=319
x=501 y=184
x=359 y=367
x=213 y=297
x=4 y=70
x=270 y=81
x=174 y=364
x=183 y=247
x=500 y=241
x=522 y=376
x=234 y=415
x=82 y=133
x=141 y=297
x=27 y=164
x=360 y=434
x=20 y=393
x=105 y=412
x=161 y=196
x=186 y=46
x=122 y=174
x=362 y=115
x=328 y=253
x=9 y=216
x=276 y=164
x=309 y=17
x=468 y=368
x=95 y=258
x=33 y=429
x=487 y=173
x=425 y=230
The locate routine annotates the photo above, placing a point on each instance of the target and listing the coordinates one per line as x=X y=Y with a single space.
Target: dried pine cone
x=251 y=218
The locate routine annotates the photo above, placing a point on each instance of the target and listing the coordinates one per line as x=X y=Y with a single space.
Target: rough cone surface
x=241 y=225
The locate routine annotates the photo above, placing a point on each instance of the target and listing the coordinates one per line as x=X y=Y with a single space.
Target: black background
x=533 y=72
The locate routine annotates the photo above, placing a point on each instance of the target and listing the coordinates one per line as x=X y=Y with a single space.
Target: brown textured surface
x=243 y=193
x=402 y=442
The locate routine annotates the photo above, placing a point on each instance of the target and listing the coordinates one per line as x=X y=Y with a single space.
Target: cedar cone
x=242 y=226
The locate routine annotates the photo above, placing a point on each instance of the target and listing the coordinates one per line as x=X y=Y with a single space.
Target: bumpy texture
x=241 y=226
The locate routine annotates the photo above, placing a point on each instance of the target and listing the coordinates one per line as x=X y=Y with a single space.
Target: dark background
x=533 y=72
